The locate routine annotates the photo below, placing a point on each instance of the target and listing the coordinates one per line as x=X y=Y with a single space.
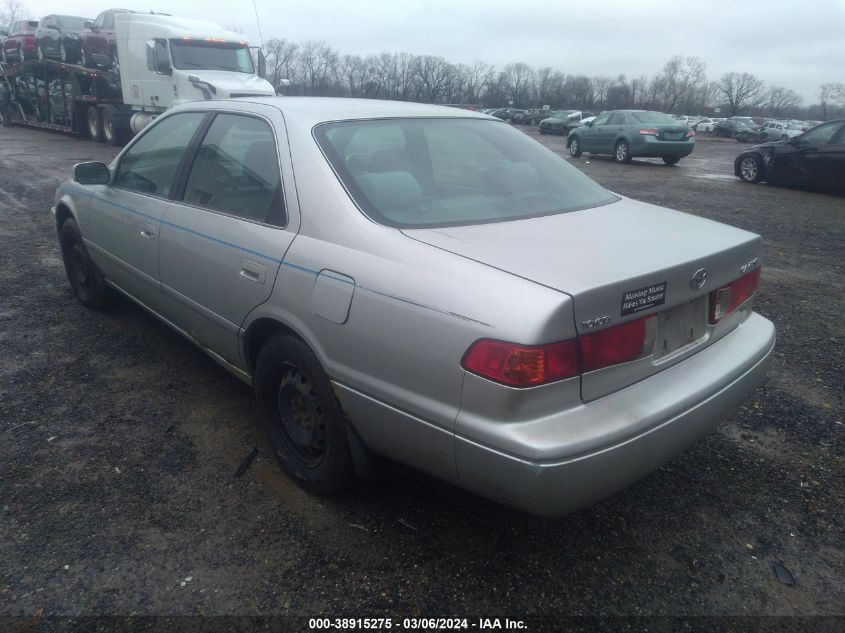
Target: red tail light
x=649 y=132
x=689 y=133
x=724 y=300
x=531 y=365
x=619 y=344
x=521 y=365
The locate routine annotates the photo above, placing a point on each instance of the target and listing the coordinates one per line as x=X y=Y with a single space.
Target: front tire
x=622 y=152
x=751 y=169
x=85 y=278
x=301 y=416
x=574 y=147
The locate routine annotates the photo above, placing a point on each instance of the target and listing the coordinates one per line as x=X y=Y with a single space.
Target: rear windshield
x=416 y=173
x=653 y=117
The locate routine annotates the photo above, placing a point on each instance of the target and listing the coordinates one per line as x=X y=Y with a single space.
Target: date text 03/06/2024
x=410 y=624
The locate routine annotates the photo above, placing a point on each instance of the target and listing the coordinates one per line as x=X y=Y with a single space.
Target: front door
x=224 y=237
x=591 y=135
x=832 y=157
x=122 y=221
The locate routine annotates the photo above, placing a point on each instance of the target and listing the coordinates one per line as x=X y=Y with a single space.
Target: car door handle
x=148 y=231
x=253 y=271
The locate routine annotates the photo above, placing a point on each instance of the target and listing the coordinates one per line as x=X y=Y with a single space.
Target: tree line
x=681 y=87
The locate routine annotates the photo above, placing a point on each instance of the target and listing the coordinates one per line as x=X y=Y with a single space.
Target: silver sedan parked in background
x=427 y=284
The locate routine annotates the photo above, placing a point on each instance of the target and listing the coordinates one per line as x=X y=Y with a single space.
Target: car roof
x=315 y=110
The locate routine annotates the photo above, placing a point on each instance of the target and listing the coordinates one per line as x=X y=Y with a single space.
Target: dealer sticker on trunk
x=643 y=298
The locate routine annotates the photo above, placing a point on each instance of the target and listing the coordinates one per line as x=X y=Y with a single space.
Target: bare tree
x=781 y=101
x=433 y=74
x=830 y=93
x=11 y=10
x=281 y=57
x=677 y=82
x=741 y=90
x=318 y=60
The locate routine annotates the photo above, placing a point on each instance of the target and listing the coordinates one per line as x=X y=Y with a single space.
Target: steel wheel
x=301 y=425
x=749 y=169
x=301 y=416
x=574 y=147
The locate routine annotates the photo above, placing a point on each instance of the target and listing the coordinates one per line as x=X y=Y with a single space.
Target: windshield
x=422 y=173
x=202 y=55
x=653 y=117
x=563 y=114
x=70 y=22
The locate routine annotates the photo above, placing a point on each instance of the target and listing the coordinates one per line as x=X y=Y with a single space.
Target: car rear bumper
x=667 y=412
x=650 y=146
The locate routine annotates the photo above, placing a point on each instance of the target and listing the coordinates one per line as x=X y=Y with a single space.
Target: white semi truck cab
x=165 y=61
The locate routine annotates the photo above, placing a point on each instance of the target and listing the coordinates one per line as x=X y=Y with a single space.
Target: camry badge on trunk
x=699 y=278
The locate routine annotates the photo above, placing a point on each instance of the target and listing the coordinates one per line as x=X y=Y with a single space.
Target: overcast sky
x=799 y=44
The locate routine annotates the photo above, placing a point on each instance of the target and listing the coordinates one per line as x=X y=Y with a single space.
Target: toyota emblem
x=699 y=278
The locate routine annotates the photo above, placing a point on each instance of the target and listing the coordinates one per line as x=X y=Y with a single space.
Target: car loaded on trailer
x=159 y=62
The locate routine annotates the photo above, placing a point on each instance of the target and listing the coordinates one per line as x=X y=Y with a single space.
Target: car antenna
x=258 y=22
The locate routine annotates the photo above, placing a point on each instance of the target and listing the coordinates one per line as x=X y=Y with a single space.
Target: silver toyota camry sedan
x=428 y=284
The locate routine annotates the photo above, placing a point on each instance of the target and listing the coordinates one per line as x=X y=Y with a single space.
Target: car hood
x=596 y=255
x=777 y=143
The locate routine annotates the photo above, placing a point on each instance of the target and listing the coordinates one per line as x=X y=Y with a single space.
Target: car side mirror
x=588 y=123
x=91 y=173
x=88 y=24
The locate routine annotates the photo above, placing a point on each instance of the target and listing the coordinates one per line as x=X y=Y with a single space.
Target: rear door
x=225 y=235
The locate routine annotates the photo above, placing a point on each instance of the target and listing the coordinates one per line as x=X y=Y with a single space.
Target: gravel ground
x=120 y=440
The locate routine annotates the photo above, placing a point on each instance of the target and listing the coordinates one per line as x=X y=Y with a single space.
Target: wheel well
x=258 y=333
x=62 y=214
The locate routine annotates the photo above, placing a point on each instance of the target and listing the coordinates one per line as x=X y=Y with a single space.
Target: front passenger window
x=149 y=165
x=236 y=171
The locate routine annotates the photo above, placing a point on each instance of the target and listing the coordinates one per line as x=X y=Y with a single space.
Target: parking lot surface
x=120 y=441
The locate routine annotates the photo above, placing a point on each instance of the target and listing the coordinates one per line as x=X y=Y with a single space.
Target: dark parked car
x=744 y=129
x=814 y=159
x=19 y=44
x=97 y=42
x=57 y=37
x=627 y=133
x=506 y=114
x=562 y=121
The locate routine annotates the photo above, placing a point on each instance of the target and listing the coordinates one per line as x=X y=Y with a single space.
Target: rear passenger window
x=236 y=171
x=149 y=165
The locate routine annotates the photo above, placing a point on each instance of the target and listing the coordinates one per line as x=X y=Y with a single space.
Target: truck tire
x=111 y=130
x=94 y=124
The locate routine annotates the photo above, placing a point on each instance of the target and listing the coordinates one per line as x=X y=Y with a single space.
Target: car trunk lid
x=619 y=263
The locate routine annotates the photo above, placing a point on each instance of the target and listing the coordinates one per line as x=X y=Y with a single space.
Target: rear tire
x=574 y=147
x=751 y=169
x=301 y=416
x=111 y=134
x=94 y=124
x=671 y=160
x=85 y=278
x=622 y=152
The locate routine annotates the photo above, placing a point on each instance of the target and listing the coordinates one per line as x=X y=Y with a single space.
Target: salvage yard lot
x=120 y=441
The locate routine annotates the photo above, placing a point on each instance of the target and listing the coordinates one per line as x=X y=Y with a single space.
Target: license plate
x=673 y=136
x=679 y=326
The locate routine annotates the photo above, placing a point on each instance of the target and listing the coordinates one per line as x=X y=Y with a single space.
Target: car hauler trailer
x=66 y=97
x=162 y=61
